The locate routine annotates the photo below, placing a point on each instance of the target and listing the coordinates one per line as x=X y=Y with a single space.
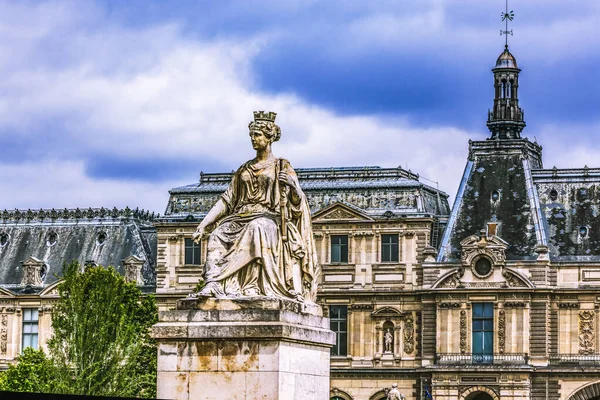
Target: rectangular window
x=483 y=333
x=192 y=252
x=30 y=328
x=339 y=248
x=389 y=248
x=338 y=322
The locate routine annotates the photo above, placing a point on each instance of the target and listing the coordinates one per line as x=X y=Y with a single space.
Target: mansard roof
x=373 y=190
x=534 y=208
x=570 y=206
x=55 y=237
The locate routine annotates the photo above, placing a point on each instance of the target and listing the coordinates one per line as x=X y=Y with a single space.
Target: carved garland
x=586 y=332
x=409 y=335
x=501 y=331
x=3 y=334
x=463 y=331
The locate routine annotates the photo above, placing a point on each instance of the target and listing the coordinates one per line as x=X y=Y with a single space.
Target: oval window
x=483 y=266
x=101 y=238
x=495 y=195
x=3 y=239
x=52 y=238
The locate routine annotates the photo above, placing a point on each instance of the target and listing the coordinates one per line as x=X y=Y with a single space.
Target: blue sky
x=112 y=103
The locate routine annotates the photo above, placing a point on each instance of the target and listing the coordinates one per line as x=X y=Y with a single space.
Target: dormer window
x=51 y=239
x=3 y=239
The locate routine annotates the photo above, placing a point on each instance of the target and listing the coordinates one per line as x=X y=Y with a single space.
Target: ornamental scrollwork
x=3 y=333
x=483 y=246
x=463 y=331
x=586 y=332
x=409 y=335
x=501 y=331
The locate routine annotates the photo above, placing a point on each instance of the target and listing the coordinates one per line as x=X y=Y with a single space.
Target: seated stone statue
x=261 y=242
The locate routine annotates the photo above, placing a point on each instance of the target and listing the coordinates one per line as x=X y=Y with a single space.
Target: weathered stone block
x=256 y=349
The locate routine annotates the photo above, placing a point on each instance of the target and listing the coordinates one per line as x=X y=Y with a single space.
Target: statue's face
x=259 y=140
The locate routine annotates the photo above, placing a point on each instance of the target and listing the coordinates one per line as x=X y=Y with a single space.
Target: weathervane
x=507 y=16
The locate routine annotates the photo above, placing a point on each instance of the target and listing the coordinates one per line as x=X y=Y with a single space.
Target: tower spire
x=505 y=120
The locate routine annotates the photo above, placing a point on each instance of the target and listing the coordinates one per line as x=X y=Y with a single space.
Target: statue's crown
x=264 y=116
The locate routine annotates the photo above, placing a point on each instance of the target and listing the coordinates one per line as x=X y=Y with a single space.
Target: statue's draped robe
x=246 y=254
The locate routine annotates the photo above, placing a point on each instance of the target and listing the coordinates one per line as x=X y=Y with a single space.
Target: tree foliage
x=34 y=372
x=101 y=342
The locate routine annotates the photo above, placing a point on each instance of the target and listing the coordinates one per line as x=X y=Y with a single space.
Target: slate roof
x=570 y=204
x=317 y=181
x=557 y=208
x=105 y=237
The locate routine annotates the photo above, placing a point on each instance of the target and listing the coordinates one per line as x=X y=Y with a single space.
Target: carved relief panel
x=587 y=337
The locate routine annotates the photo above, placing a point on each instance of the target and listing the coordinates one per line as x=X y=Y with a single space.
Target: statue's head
x=265 y=122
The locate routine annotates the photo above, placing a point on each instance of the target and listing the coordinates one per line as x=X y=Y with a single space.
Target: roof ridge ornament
x=507 y=16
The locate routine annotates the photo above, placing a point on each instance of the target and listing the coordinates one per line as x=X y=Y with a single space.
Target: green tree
x=34 y=372
x=101 y=343
x=101 y=337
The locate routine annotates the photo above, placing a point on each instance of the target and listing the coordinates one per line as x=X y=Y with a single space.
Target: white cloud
x=57 y=184
x=152 y=92
x=155 y=92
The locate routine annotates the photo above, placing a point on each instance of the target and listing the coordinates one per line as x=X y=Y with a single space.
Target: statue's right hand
x=198 y=234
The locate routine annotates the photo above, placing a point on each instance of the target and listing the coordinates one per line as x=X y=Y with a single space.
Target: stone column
x=253 y=348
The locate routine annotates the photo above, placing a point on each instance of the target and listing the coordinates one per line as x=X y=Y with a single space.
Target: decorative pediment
x=516 y=279
x=5 y=293
x=341 y=212
x=387 y=312
x=491 y=246
x=510 y=279
x=51 y=290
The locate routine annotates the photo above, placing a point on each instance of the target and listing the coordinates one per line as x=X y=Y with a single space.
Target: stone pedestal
x=243 y=349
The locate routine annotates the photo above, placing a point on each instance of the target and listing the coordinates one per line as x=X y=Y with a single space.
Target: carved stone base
x=243 y=349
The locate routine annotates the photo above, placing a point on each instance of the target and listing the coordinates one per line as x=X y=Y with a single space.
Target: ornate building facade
x=497 y=298
x=34 y=245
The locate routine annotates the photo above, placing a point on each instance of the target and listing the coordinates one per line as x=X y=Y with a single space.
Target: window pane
x=477 y=325
x=26 y=328
x=477 y=310
x=339 y=248
x=27 y=314
x=34 y=328
x=335 y=253
x=26 y=341
x=488 y=309
x=488 y=325
x=34 y=341
x=34 y=314
x=196 y=254
x=338 y=324
x=192 y=252
x=344 y=254
x=343 y=344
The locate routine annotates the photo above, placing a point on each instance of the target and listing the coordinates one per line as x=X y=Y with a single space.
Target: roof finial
x=507 y=16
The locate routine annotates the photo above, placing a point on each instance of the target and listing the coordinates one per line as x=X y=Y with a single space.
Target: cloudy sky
x=112 y=103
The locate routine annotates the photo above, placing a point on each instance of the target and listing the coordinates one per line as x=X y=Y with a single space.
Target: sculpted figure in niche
x=389 y=340
x=261 y=242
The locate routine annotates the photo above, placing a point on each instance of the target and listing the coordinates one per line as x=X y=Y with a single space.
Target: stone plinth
x=243 y=349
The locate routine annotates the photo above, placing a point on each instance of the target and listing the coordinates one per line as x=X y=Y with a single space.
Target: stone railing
x=76 y=214
x=578 y=359
x=483 y=359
